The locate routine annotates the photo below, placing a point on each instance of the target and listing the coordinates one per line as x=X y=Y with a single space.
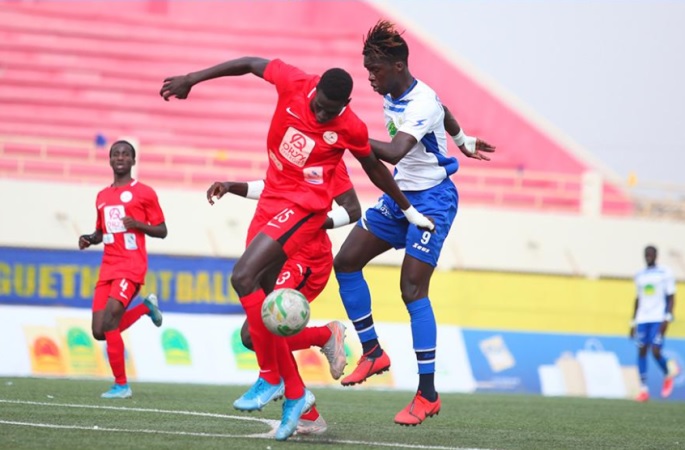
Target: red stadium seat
x=69 y=73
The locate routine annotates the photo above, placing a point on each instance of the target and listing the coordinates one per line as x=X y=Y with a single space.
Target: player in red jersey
x=308 y=271
x=311 y=128
x=127 y=211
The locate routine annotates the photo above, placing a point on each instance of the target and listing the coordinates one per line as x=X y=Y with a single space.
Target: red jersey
x=125 y=255
x=319 y=250
x=303 y=153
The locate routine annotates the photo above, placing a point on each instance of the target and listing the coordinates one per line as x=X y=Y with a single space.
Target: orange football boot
x=418 y=410
x=366 y=367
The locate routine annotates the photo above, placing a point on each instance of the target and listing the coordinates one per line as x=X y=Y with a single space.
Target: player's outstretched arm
x=249 y=189
x=179 y=86
x=470 y=146
x=349 y=210
x=383 y=180
x=86 y=240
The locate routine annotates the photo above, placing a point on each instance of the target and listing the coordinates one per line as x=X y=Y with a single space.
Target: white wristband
x=459 y=138
x=668 y=317
x=470 y=144
x=416 y=218
x=340 y=217
x=254 y=189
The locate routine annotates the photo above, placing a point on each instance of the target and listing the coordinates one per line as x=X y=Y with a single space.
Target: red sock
x=262 y=339
x=294 y=386
x=132 y=315
x=312 y=415
x=310 y=336
x=115 y=354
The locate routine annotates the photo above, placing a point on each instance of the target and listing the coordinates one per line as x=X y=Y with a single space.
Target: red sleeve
x=283 y=75
x=358 y=139
x=341 y=182
x=153 y=211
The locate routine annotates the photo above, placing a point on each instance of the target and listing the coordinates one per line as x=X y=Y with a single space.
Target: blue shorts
x=387 y=221
x=648 y=334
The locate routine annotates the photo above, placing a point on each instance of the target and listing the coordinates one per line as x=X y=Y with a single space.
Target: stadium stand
x=70 y=73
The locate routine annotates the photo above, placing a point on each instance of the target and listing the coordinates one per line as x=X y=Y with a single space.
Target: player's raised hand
x=217 y=189
x=178 y=86
x=477 y=148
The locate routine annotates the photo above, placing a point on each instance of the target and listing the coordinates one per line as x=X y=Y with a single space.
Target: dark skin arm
x=632 y=327
x=452 y=127
x=157 y=231
x=350 y=202
x=86 y=240
x=670 y=302
x=381 y=177
x=180 y=86
x=218 y=189
x=392 y=152
x=347 y=199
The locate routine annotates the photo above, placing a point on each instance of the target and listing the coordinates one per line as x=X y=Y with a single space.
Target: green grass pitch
x=69 y=414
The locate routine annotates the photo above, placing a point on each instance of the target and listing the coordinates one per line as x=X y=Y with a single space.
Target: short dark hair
x=121 y=141
x=384 y=42
x=336 y=84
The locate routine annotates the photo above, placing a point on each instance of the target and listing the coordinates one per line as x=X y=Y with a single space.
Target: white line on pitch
x=127 y=408
x=199 y=434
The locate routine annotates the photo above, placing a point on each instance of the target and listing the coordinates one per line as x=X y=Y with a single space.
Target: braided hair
x=384 y=42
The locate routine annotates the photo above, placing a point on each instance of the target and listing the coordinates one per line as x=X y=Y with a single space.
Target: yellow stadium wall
x=508 y=301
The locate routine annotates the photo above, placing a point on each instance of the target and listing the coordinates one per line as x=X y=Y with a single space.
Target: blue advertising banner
x=582 y=365
x=68 y=277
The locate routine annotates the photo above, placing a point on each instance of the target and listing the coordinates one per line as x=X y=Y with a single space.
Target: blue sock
x=642 y=368
x=356 y=299
x=663 y=363
x=425 y=335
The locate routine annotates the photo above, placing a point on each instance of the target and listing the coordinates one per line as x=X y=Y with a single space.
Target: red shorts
x=119 y=289
x=289 y=224
x=310 y=279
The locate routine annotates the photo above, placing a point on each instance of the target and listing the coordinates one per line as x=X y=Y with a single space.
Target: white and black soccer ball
x=285 y=312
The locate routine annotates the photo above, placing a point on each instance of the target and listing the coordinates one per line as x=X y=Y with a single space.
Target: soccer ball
x=285 y=312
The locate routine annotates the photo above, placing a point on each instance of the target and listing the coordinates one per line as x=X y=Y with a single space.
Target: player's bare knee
x=98 y=334
x=343 y=264
x=412 y=291
x=109 y=322
x=243 y=282
x=247 y=341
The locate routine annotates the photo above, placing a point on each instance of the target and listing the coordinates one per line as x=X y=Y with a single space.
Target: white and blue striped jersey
x=418 y=112
x=653 y=285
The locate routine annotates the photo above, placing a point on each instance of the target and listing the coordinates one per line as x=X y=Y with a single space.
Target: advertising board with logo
x=195 y=348
x=68 y=277
x=565 y=364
